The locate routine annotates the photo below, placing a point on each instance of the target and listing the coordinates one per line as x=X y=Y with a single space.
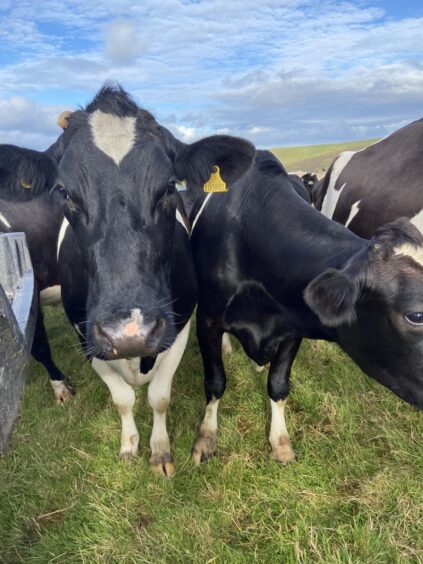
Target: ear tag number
x=26 y=185
x=215 y=182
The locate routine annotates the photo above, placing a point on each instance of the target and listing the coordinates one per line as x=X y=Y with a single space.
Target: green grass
x=354 y=493
x=316 y=158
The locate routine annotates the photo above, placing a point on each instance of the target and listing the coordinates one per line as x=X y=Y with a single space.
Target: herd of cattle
x=130 y=254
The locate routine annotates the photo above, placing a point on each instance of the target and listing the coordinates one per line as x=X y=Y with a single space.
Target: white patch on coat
x=226 y=344
x=123 y=397
x=113 y=135
x=122 y=375
x=201 y=210
x=180 y=219
x=353 y=212
x=417 y=220
x=278 y=436
x=209 y=423
x=4 y=221
x=332 y=196
x=51 y=296
x=62 y=232
x=416 y=253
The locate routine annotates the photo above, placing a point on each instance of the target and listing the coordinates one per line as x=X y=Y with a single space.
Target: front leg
x=210 y=342
x=161 y=460
x=278 y=389
x=123 y=396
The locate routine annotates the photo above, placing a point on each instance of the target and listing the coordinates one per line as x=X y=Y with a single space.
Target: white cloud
x=275 y=71
x=123 y=43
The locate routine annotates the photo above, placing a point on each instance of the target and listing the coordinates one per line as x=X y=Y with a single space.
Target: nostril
x=156 y=333
x=102 y=338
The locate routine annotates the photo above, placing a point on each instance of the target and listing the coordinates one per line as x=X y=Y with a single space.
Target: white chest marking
x=417 y=220
x=4 y=221
x=353 y=212
x=201 y=211
x=332 y=196
x=62 y=232
x=113 y=135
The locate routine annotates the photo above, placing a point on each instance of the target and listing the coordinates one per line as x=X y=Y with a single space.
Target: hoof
x=283 y=452
x=163 y=465
x=62 y=391
x=204 y=448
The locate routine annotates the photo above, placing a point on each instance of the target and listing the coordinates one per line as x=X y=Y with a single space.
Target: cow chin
x=128 y=335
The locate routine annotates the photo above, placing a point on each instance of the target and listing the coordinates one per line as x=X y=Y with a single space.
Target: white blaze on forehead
x=416 y=253
x=113 y=135
x=332 y=196
x=417 y=220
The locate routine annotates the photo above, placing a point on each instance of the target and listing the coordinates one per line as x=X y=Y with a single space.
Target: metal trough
x=17 y=324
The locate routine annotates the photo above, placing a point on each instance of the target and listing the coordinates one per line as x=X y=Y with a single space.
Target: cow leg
x=123 y=396
x=42 y=353
x=161 y=460
x=278 y=389
x=226 y=344
x=210 y=342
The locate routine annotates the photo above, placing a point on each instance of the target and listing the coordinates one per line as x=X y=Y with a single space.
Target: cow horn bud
x=62 y=120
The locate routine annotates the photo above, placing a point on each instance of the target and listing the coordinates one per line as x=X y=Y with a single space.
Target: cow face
x=375 y=305
x=117 y=178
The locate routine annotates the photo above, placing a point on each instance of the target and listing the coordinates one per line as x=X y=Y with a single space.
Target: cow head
x=117 y=179
x=375 y=305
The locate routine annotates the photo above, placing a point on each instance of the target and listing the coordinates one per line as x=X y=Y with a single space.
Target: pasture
x=354 y=493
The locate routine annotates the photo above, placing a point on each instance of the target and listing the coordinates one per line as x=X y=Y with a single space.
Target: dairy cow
x=126 y=270
x=26 y=176
x=365 y=189
x=272 y=270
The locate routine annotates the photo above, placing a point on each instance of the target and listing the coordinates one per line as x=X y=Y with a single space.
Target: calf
x=272 y=270
x=126 y=270
x=365 y=189
x=26 y=176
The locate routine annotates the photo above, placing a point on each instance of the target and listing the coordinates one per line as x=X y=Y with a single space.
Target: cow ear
x=197 y=161
x=332 y=296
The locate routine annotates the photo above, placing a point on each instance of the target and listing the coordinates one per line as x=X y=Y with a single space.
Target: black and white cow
x=26 y=176
x=272 y=270
x=365 y=189
x=126 y=270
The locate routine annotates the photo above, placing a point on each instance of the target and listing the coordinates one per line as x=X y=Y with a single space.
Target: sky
x=280 y=73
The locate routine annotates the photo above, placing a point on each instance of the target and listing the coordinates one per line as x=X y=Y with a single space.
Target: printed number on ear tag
x=26 y=185
x=215 y=183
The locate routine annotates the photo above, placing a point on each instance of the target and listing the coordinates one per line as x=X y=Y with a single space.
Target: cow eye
x=415 y=318
x=60 y=189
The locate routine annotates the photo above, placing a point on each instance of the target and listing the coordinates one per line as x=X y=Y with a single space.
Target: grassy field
x=316 y=158
x=354 y=493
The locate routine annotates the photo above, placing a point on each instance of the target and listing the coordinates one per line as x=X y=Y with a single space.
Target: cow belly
x=51 y=296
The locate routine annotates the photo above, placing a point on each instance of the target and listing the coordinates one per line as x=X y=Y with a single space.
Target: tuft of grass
x=352 y=495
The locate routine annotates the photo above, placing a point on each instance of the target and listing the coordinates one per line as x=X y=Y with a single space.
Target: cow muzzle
x=129 y=337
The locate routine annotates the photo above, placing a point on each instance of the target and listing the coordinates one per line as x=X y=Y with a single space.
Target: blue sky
x=286 y=72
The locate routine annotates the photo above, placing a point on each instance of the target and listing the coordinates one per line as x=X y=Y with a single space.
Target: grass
x=316 y=158
x=354 y=494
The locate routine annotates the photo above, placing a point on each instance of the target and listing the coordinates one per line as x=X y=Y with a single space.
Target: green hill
x=316 y=158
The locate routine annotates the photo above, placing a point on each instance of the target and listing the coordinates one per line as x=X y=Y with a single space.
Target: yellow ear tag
x=215 y=182
x=25 y=185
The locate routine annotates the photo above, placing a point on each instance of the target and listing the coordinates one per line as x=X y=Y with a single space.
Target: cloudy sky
x=285 y=72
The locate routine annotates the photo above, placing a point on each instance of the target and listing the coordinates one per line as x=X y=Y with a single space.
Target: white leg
x=278 y=437
x=62 y=391
x=226 y=344
x=159 y=397
x=205 y=445
x=123 y=397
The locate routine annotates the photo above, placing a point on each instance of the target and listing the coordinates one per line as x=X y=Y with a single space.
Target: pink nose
x=126 y=339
